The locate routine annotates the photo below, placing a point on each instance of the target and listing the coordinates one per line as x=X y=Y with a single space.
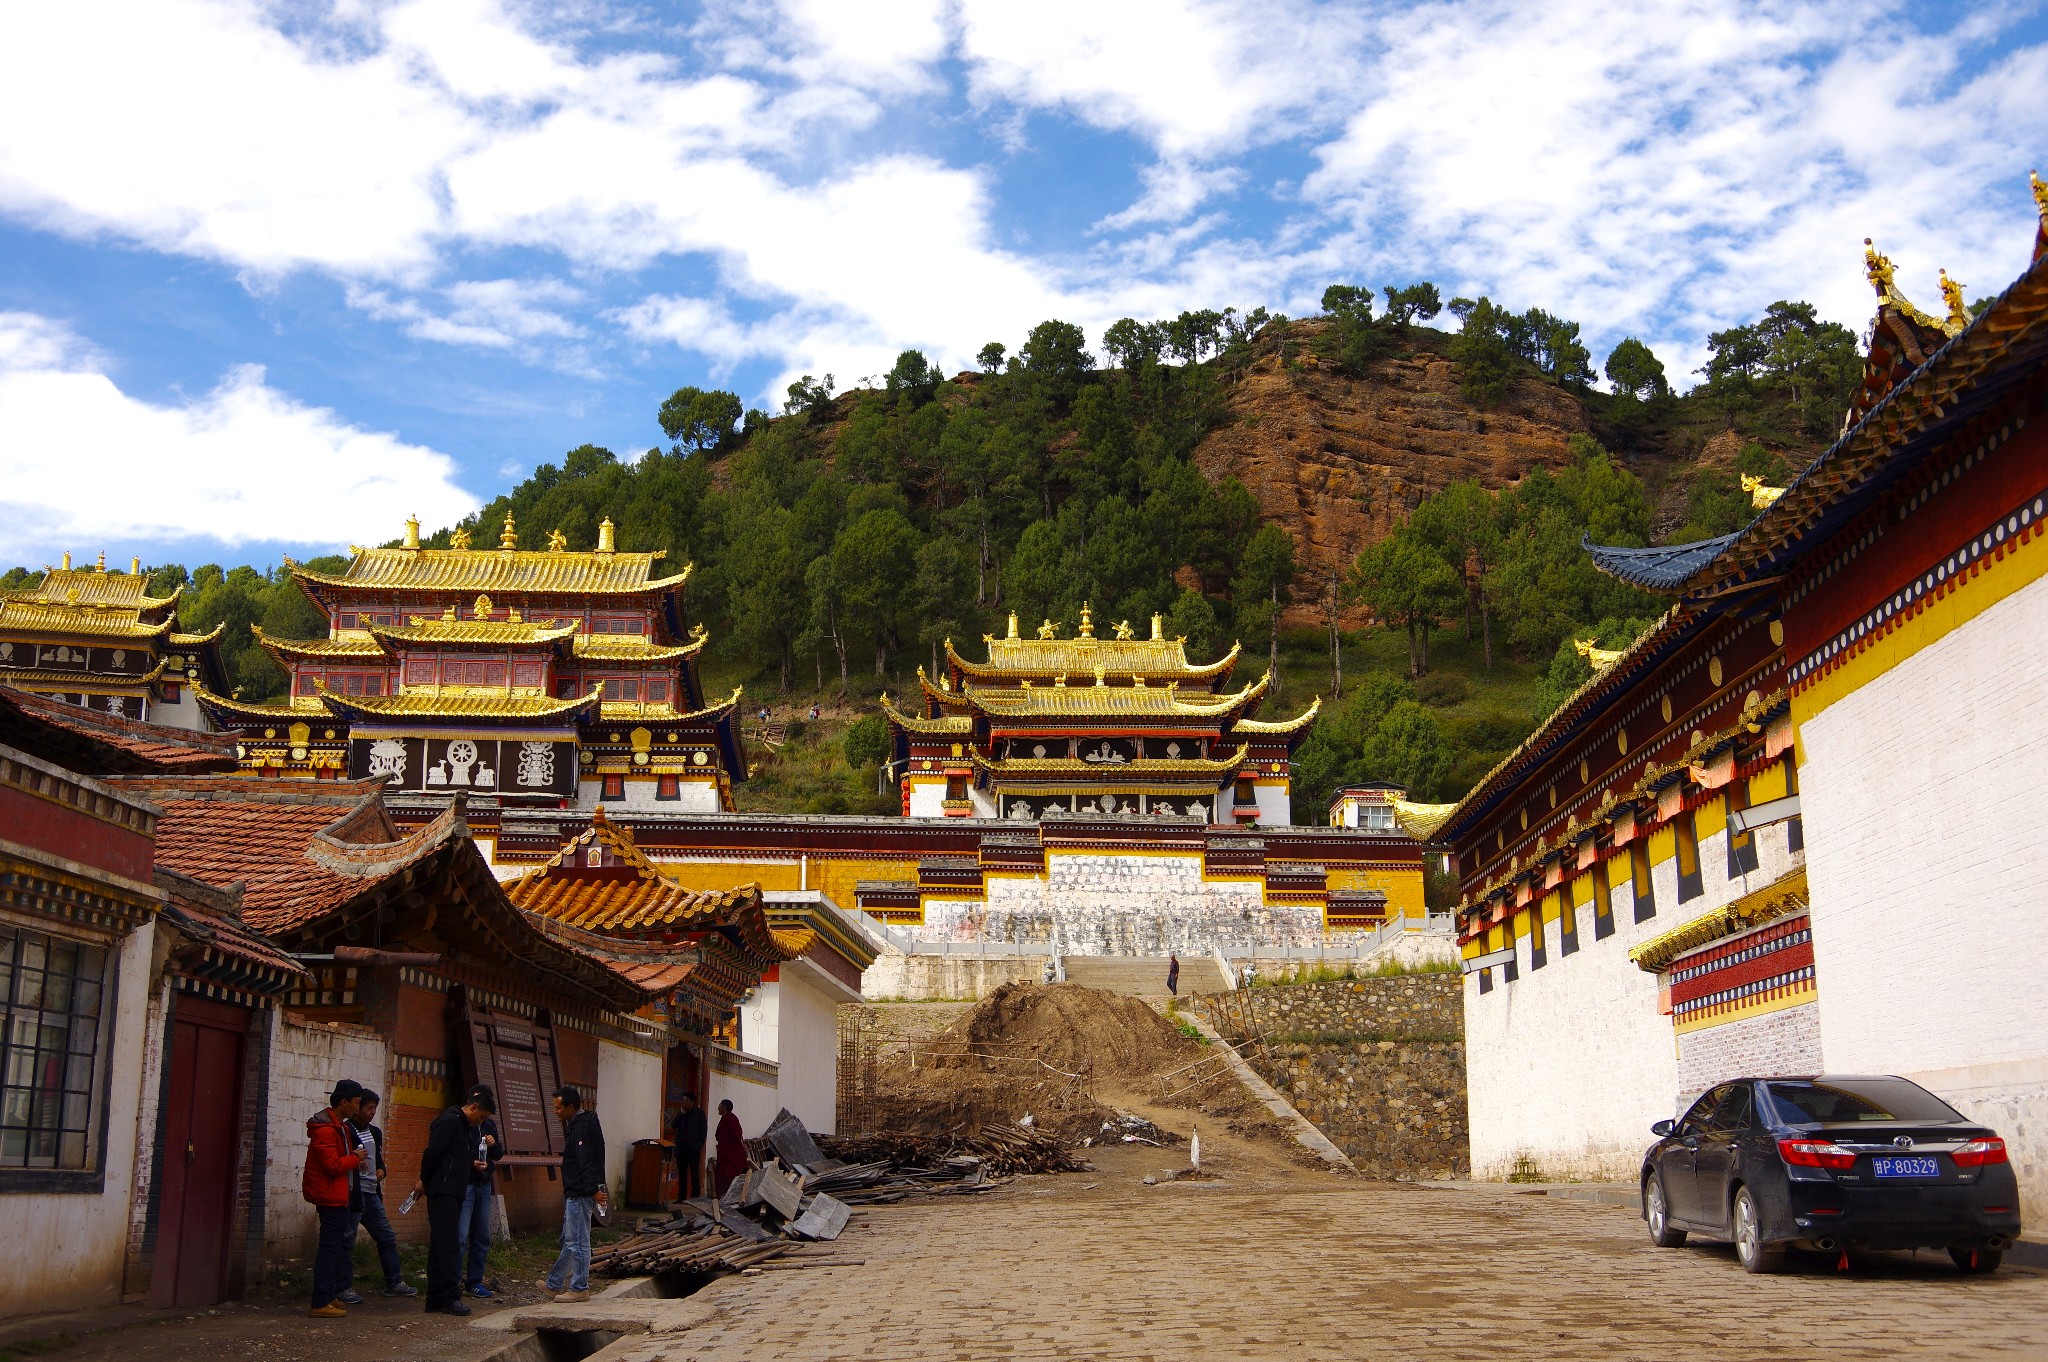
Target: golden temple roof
x=633 y=711
x=44 y=678
x=499 y=570
x=358 y=646
x=615 y=648
x=30 y=613
x=1294 y=725
x=1015 y=656
x=299 y=707
x=486 y=633
x=213 y=635
x=1089 y=700
x=90 y=587
x=454 y=704
x=953 y=725
x=1421 y=821
x=1780 y=898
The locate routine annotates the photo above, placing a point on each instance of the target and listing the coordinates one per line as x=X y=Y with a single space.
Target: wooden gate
x=202 y=1137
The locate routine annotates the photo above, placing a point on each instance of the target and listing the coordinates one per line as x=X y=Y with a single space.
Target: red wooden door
x=201 y=1154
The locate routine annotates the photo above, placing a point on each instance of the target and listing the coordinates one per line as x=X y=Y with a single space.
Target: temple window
x=628 y=688
x=1376 y=817
x=657 y=692
x=667 y=787
x=50 y=1004
x=1741 y=845
x=1688 y=843
x=565 y=689
x=1640 y=880
x=614 y=786
x=345 y=620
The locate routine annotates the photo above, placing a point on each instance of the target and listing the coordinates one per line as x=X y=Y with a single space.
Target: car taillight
x=1816 y=1154
x=1977 y=1153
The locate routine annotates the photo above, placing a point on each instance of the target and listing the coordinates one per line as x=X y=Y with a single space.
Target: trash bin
x=644 y=1175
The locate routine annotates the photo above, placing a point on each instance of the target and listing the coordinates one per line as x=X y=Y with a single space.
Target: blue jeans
x=477 y=1203
x=331 y=1266
x=573 y=1267
x=373 y=1219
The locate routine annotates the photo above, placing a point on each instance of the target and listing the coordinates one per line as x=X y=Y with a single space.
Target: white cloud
x=1173 y=190
x=82 y=462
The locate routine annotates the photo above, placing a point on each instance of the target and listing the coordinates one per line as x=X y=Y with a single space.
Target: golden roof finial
x=1013 y=624
x=1087 y=621
x=459 y=539
x=448 y=615
x=67 y=560
x=513 y=615
x=135 y=566
x=412 y=531
x=1123 y=629
x=1048 y=630
x=101 y=566
x=509 y=540
x=557 y=541
x=1958 y=314
x=1760 y=496
x=1600 y=658
x=1158 y=627
x=482 y=608
x=2040 y=194
x=1877 y=267
x=1100 y=680
x=605 y=542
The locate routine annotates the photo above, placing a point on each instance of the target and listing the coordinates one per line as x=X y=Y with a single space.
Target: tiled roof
x=123 y=590
x=1087 y=700
x=229 y=948
x=474 y=704
x=45 y=678
x=1294 y=725
x=255 y=832
x=491 y=633
x=634 y=711
x=615 y=648
x=1421 y=821
x=212 y=635
x=1163 y=658
x=500 y=570
x=34 y=616
x=298 y=707
x=360 y=646
x=106 y=744
x=1661 y=568
x=1142 y=766
x=949 y=725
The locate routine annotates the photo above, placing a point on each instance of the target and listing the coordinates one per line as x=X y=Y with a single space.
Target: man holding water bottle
x=452 y=1155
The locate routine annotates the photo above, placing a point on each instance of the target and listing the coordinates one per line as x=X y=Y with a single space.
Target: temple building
x=96 y=638
x=1097 y=726
x=549 y=677
x=1794 y=827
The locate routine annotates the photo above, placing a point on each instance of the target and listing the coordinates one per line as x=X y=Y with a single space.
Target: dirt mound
x=1072 y=1028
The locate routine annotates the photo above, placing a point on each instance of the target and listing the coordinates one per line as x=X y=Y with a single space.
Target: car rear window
x=1862 y=1099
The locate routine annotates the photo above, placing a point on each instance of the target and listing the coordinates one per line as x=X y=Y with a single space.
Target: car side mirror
x=1661 y=1128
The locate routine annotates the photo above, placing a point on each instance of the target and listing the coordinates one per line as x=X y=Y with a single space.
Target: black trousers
x=444 y=1251
x=690 y=1165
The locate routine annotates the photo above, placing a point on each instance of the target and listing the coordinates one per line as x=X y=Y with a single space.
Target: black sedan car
x=1830 y=1163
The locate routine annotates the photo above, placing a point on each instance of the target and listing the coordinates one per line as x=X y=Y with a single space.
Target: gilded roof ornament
x=1013 y=624
x=448 y=615
x=135 y=566
x=1087 y=618
x=2040 y=195
x=1760 y=496
x=1048 y=630
x=509 y=540
x=1158 y=627
x=482 y=608
x=1100 y=680
x=1123 y=629
x=412 y=531
x=1600 y=658
x=102 y=565
x=1877 y=266
x=606 y=541
x=459 y=540
x=67 y=560
x=1958 y=314
x=557 y=541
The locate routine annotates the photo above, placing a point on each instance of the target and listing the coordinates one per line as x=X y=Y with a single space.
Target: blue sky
x=275 y=275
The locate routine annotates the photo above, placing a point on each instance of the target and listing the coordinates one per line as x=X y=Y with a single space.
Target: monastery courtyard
x=1270 y=1260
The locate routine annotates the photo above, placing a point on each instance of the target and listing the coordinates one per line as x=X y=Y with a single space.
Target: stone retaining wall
x=1377 y=1064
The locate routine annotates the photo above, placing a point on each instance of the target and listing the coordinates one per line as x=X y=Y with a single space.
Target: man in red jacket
x=332 y=1157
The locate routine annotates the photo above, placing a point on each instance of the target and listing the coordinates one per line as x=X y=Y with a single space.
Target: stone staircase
x=1144 y=976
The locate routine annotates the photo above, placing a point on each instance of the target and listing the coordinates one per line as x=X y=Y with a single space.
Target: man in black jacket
x=690 y=1133
x=479 y=1205
x=583 y=1192
x=444 y=1177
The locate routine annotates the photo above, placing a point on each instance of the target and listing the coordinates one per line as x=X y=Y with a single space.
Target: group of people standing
x=728 y=1154
x=344 y=1180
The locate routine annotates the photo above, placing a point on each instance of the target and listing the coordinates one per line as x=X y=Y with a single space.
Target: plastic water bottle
x=405 y=1206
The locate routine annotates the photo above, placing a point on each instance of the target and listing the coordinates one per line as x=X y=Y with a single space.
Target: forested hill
x=1285 y=482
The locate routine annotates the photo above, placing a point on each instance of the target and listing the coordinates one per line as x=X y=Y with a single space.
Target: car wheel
x=1750 y=1248
x=1657 y=1210
x=1976 y=1260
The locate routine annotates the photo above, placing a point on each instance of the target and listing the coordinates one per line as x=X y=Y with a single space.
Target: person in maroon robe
x=732 y=1149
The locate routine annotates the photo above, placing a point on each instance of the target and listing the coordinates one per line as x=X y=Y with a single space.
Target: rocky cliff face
x=1337 y=461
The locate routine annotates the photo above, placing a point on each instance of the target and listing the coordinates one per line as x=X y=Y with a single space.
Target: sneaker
x=401 y=1289
x=480 y=1291
x=349 y=1298
x=571 y=1297
x=331 y=1310
x=454 y=1308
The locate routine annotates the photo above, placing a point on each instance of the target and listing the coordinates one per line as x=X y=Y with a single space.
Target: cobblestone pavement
x=1275 y=1262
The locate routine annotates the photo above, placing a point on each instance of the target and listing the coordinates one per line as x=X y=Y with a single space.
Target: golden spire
x=67 y=560
x=135 y=566
x=459 y=539
x=1013 y=624
x=1958 y=314
x=1087 y=622
x=412 y=531
x=605 y=541
x=1158 y=627
x=101 y=566
x=557 y=541
x=509 y=540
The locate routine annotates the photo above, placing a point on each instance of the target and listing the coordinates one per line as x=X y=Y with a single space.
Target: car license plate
x=1893 y=1167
